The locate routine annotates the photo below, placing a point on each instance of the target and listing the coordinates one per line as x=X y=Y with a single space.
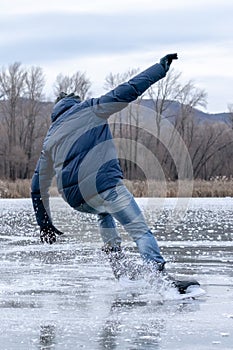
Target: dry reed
x=220 y=187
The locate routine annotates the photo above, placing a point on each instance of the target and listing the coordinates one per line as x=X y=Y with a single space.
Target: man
x=79 y=150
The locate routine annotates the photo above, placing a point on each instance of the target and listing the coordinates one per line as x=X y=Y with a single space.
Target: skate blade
x=192 y=292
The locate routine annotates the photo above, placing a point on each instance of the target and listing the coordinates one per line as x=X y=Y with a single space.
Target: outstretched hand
x=48 y=234
x=167 y=60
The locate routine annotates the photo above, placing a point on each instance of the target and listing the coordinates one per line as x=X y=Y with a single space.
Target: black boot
x=182 y=286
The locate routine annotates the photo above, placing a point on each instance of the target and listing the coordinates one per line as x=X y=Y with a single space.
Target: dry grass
x=20 y=189
x=197 y=188
x=14 y=189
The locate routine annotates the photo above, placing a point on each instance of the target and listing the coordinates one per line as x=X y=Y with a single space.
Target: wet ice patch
x=64 y=296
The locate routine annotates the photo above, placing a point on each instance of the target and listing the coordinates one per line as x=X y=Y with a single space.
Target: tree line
x=25 y=119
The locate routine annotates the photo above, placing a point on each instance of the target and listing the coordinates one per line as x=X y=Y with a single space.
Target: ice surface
x=65 y=297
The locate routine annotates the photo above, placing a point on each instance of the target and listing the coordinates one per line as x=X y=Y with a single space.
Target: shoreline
x=169 y=189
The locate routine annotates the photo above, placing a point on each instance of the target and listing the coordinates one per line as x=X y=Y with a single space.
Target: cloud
x=47 y=36
x=60 y=36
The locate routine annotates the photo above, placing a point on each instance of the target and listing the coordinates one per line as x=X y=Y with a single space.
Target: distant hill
x=200 y=117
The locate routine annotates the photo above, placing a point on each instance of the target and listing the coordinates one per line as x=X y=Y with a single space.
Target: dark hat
x=64 y=95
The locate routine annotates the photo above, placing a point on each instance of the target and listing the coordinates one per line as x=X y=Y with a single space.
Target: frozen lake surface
x=64 y=296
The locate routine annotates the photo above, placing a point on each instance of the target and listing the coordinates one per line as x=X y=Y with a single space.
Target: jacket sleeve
x=118 y=98
x=41 y=182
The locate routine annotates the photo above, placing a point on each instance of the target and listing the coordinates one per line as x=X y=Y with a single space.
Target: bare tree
x=124 y=125
x=32 y=120
x=22 y=121
x=12 y=83
x=113 y=80
x=216 y=141
x=189 y=98
x=162 y=95
x=77 y=83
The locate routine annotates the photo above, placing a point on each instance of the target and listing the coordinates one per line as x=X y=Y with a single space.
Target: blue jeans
x=118 y=203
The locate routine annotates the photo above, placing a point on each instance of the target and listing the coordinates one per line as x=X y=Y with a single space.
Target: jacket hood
x=62 y=106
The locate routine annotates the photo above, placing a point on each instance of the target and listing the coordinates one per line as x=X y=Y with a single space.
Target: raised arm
x=118 y=98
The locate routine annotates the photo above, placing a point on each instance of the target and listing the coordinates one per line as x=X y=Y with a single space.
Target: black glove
x=48 y=234
x=167 y=60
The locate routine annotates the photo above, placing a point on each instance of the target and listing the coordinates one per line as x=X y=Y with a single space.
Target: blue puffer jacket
x=79 y=149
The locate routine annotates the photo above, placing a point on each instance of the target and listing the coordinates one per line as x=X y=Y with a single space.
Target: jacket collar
x=62 y=106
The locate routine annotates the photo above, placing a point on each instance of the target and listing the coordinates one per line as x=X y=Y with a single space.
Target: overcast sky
x=99 y=37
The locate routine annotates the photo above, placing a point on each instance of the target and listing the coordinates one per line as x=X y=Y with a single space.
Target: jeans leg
x=149 y=249
x=125 y=209
x=108 y=230
x=107 y=225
